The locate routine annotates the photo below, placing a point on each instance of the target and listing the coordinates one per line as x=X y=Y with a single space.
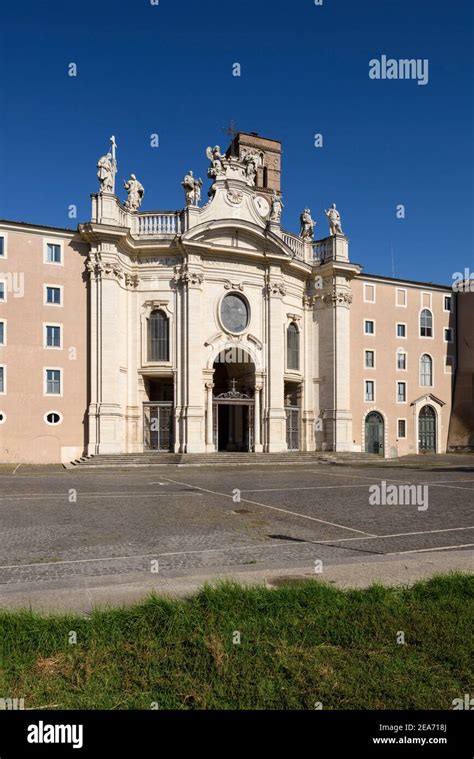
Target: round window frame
x=53 y=424
x=219 y=312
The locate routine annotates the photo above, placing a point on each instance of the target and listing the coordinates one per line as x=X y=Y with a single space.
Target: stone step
x=121 y=460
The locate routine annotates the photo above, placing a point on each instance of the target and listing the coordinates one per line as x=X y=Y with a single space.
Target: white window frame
x=451 y=365
x=47 y=369
x=45 y=295
x=4 y=367
x=451 y=330
x=366 y=285
x=448 y=310
x=401 y=290
x=369 y=334
x=430 y=296
x=425 y=353
x=397 y=383
x=372 y=400
x=51 y=424
x=4 y=322
x=426 y=337
x=369 y=350
x=4 y=281
x=402 y=419
x=53 y=241
x=401 y=324
x=397 y=352
x=45 y=336
x=5 y=244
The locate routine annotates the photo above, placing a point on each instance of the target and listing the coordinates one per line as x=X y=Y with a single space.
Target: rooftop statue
x=334 y=220
x=276 y=208
x=215 y=156
x=107 y=169
x=307 y=225
x=192 y=189
x=135 y=192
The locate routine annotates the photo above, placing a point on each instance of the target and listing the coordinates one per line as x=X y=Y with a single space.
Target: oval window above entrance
x=234 y=313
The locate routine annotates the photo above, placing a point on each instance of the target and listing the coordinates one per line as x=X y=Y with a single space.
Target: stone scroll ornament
x=107 y=169
x=135 y=191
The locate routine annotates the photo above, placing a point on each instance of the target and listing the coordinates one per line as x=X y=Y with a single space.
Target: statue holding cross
x=107 y=169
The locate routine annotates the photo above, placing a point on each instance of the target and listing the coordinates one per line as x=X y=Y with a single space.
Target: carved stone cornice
x=273 y=288
x=184 y=276
x=228 y=285
x=337 y=298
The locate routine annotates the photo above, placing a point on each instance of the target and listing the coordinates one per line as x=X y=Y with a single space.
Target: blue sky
x=167 y=69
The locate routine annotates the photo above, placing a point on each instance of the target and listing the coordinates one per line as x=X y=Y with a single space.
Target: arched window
x=426 y=370
x=158 y=337
x=426 y=323
x=293 y=347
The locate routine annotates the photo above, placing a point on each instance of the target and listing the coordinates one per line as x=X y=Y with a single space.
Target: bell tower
x=269 y=172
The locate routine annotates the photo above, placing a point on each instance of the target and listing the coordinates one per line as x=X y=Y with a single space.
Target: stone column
x=256 y=420
x=209 y=418
x=275 y=413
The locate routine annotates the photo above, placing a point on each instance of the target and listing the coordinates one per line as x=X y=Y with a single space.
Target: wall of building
x=461 y=431
x=385 y=312
x=25 y=436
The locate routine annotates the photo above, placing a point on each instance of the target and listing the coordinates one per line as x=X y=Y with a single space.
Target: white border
x=369 y=334
x=370 y=350
x=45 y=381
x=404 y=382
x=426 y=337
x=45 y=337
x=45 y=295
x=4 y=234
x=402 y=324
x=402 y=419
x=425 y=353
x=404 y=290
x=53 y=241
x=53 y=424
x=372 y=400
x=4 y=367
x=369 y=284
x=4 y=322
x=405 y=353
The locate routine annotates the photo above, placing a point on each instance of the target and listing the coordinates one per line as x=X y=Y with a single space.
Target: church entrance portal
x=233 y=402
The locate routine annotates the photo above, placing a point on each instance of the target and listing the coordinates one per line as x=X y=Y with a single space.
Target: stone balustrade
x=157 y=224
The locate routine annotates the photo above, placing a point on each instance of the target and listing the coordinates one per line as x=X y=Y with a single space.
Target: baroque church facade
x=213 y=328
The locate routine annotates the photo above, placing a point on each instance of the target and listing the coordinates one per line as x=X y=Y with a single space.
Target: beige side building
x=213 y=328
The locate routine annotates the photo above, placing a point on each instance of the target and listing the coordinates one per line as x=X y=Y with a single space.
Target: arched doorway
x=374 y=433
x=427 y=430
x=234 y=401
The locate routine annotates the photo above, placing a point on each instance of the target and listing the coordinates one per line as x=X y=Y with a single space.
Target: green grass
x=300 y=644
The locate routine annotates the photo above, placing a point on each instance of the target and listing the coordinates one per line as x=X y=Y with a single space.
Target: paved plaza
x=67 y=534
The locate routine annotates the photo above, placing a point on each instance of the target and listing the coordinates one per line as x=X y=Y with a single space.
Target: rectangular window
x=447 y=303
x=369 y=390
x=402 y=428
x=2 y=333
x=53 y=253
x=401 y=330
x=401 y=361
x=369 y=327
x=401 y=392
x=53 y=295
x=53 y=381
x=370 y=359
x=2 y=247
x=448 y=335
x=53 y=336
x=401 y=298
x=2 y=379
x=2 y=291
x=369 y=293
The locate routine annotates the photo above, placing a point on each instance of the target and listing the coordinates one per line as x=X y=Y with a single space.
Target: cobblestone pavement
x=69 y=527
